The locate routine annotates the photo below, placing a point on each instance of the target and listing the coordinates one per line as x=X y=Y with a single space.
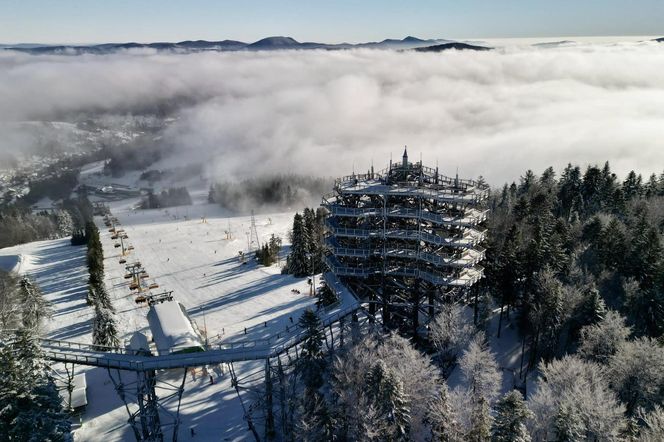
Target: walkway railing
x=469 y=258
x=119 y=358
x=471 y=239
x=442 y=195
x=465 y=279
x=470 y=218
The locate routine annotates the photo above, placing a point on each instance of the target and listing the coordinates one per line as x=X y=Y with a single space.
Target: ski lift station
x=173 y=332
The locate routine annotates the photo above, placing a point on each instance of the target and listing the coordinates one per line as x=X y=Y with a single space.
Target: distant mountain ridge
x=453 y=45
x=265 y=44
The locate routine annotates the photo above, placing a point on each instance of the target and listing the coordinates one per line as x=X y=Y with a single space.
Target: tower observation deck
x=405 y=238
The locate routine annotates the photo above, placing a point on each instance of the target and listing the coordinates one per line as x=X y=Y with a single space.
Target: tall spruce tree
x=31 y=408
x=480 y=421
x=385 y=391
x=104 y=328
x=442 y=419
x=298 y=260
x=34 y=307
x=509 y=424
x=311 y=362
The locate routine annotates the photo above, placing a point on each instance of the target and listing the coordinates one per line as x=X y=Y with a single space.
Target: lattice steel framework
x=405 y=238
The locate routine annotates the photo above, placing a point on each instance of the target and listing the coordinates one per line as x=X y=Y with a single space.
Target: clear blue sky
x=89 y=21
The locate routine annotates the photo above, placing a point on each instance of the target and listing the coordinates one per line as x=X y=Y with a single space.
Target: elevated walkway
x=470 y=218
x=469 y=258
x=471 y=239
x=375 y=187
x=465 y=279
x=122 y=359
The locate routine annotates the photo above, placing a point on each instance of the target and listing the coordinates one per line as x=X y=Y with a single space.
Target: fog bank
x=492 y=113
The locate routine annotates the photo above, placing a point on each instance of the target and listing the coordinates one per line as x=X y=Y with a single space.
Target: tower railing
x=468 y=258
x=470 y=218
x=465 y=279
x=412 y=190
x=470 y=239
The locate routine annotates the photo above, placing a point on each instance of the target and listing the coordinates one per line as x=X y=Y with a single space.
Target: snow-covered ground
x=185 y=250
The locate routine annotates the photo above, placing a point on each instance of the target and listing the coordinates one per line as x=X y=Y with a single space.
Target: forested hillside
x=563 y=252
x=576 y=262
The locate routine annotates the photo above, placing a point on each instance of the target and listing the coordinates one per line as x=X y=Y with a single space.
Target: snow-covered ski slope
x=185 y=250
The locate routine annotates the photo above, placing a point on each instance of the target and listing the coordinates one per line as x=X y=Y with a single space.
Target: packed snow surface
x=186 y=250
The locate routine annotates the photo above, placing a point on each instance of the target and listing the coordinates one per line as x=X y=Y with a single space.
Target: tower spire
x=405 y=156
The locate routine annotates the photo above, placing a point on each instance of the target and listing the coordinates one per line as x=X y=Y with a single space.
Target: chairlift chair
x=122 y=261
x=128 y=276
x=140 y=299
x=116 y=245
x=133 y=286
x=154 y=285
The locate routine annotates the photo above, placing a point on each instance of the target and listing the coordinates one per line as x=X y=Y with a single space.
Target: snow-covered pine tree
x=450 y=333
x=358 y=417
x=386 y=392
x=311 y=362
x=90 y=296
x=442 y=419
x=10 y=304
x=636 y=374
x=602 y=340
x=316 y=422
x=31 y=406
x=298 y=260
x=274 y=247
x=480 y=370
x=64 y=222
x=95 y=254
x=314 y=227
x=480 y=421
x=102 y=298
x=394 y=404
x=573 y=388
x=482 y=378
x=34 y=306
x=568 y=424
x=653 y=425
x=104 y=328
x=511 y=415
x=326 y=296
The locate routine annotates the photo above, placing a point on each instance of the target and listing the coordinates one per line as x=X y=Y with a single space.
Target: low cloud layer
x=491 y=113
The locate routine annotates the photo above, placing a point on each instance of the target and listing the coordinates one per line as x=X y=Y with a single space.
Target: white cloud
x=491 y=113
